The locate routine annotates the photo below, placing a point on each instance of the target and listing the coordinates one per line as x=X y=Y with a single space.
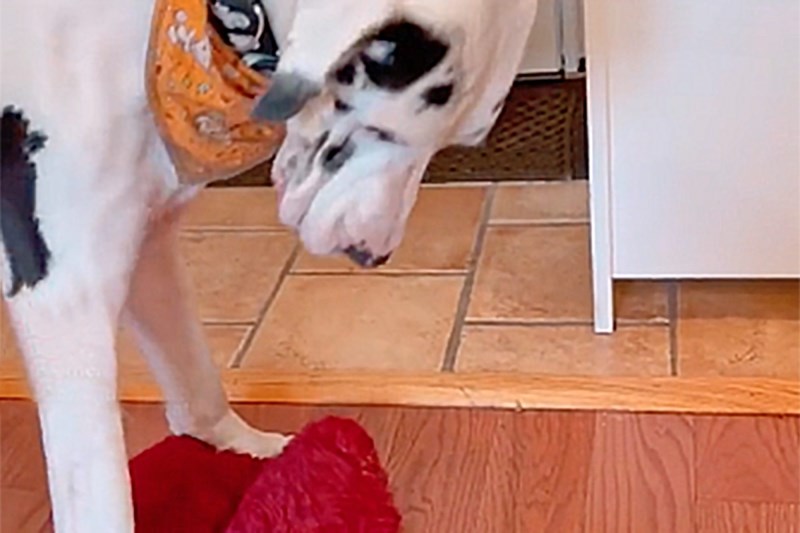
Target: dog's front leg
x=161 y=315
x=69 y=351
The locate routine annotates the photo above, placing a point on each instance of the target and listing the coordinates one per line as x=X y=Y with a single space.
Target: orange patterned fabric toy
x=201 y=95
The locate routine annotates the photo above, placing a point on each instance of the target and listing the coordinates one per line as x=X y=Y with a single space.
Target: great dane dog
x=370 y=90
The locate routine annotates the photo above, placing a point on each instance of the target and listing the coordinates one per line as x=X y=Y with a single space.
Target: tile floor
x=490 y=278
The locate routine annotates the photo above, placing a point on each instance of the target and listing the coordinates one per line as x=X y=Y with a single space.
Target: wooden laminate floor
x=484 y=471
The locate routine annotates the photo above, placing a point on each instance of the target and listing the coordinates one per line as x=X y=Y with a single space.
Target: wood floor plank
x=280 y=418
x=498 y=508
x=448 y=468
x=437 y=461
x=553 y=452
x=641 y=478
x=754 y=459
x=144 y=425
x=747 y=517
x=24 y=506
x=485 y=471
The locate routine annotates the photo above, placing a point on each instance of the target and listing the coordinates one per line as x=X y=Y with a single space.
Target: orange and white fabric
x=201 y=95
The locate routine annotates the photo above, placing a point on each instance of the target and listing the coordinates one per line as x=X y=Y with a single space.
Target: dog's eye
x=382 y=135
x=341 y=106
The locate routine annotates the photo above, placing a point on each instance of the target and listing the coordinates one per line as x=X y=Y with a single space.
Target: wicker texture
x=540 y=135
x=534 y=138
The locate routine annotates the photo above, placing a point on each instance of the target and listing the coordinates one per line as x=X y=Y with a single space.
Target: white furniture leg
x=599 y=171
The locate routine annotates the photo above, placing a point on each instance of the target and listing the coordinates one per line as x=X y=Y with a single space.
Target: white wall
x=558 y=31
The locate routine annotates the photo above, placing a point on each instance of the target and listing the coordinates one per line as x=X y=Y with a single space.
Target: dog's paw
x=234 y=434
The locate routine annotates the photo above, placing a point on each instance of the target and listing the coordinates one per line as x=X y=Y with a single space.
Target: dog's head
x=364 y=119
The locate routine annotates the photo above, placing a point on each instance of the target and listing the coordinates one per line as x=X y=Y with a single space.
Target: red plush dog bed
x=327 y=480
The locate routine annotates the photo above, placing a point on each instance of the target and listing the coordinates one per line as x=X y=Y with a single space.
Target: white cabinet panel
x=542 y=51
x=702 y=103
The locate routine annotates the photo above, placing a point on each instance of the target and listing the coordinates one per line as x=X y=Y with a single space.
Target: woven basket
x=540 y=135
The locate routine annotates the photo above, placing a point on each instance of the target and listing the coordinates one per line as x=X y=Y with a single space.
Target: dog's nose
x=364 y=258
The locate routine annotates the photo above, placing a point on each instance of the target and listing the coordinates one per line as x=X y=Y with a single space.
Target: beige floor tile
x=641 y=301
x=224 y=342
x=233 y=208
x=565 y=350
x=533 y=273
x=439 y=236
x=233 y=273
x=543 y=273
x=398 y=323
x=542 y=202
x=739 y=328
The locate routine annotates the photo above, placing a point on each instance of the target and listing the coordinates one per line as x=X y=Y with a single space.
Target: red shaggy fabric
x=327 y=480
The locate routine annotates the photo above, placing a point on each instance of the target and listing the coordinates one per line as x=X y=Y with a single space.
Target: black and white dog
x=370 y=90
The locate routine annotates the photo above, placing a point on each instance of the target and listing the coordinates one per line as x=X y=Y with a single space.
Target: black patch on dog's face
x=25 y=248
x=412 y=52
x=342 y=106
x=438 y=95
x=383 y=135
x=346 y=74
x=320 y=143
x=336 y=156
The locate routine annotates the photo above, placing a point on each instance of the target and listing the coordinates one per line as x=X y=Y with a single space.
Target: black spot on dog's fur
x=364 y=258
x=341 y=106
x=336 y=156
x=320 y=143
x=25 y=248
x=383 y=135
x=413 y=51
x=438 y=95
x=382 y=260
x=346 y=74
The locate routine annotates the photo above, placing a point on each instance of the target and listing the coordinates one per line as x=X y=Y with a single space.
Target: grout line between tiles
x=380 y=274
x=240 y=349
x=545 y=322
x=237 y=360
x=454 y=342
x=225 y=230
x=672 y=313
x=542 y=183
x=479 y=184
x=554 y=222
x=228 y=323
x=522 y=322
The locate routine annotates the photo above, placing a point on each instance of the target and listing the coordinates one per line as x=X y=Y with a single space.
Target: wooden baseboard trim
x=520 y=392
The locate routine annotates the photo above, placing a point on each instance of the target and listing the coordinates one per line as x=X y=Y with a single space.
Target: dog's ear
x=286 y=96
